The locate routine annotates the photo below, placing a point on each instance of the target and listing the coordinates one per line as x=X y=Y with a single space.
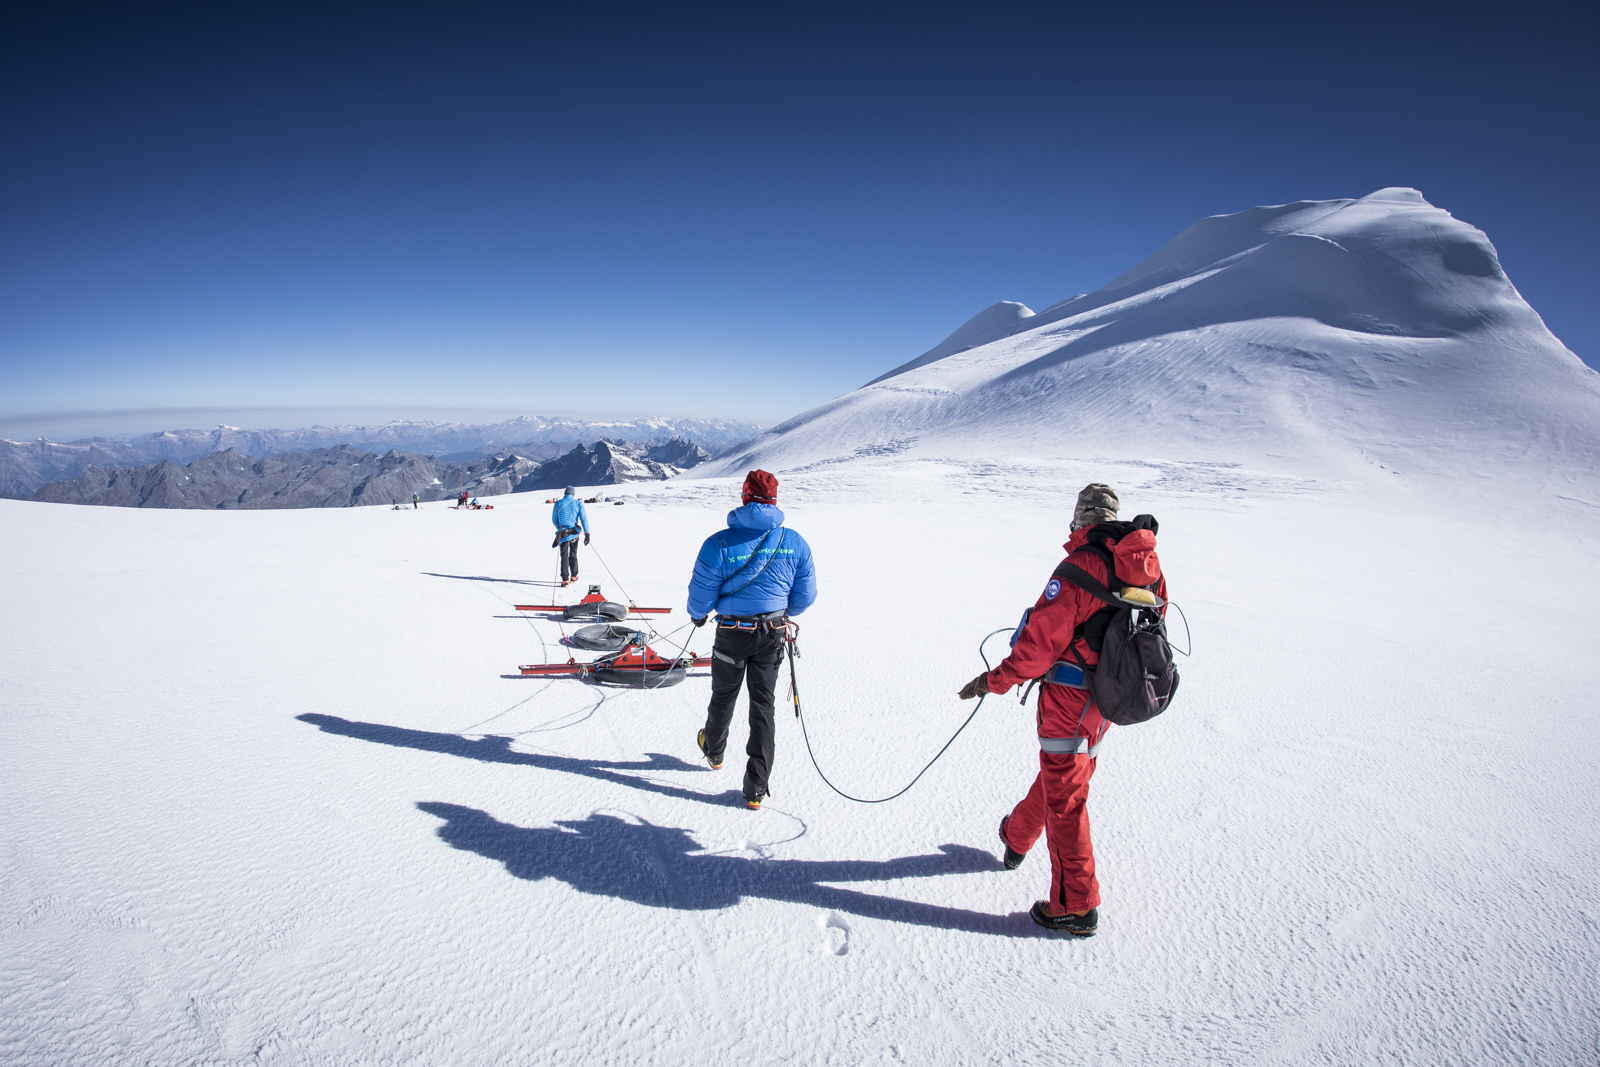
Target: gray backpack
x=1136 y=677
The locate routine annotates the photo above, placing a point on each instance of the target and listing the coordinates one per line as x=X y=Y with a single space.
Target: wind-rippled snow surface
x=275 y=793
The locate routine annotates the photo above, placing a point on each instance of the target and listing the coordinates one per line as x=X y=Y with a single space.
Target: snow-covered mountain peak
x=993 y=322
x=1370 y=333
x=1388 y=262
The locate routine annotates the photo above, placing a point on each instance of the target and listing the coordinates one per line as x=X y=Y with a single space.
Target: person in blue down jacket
x=570 y=520
x=753 y=575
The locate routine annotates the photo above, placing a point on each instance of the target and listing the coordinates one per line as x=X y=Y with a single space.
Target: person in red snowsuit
x=1070 y=726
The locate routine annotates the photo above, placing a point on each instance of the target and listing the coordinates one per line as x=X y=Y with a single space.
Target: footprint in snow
x=838 y=933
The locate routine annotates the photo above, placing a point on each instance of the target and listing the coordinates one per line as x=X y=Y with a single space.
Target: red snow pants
x=1058 y=807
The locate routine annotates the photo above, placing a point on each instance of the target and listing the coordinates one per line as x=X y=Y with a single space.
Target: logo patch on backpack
x=1052 y=588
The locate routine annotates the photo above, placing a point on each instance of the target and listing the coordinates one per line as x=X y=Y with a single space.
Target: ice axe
x=791 y=636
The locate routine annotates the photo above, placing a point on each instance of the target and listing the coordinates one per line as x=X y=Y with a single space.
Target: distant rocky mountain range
x=610 y=463
x=347 y=476
x=25 y=466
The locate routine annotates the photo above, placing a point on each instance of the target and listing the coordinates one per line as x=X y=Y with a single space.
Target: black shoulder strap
x=1087 y=582
x=1092 y=629
x=1081 y=578
x=759 y=570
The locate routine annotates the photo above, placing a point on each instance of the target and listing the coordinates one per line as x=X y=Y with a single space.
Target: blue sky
x=281 y=214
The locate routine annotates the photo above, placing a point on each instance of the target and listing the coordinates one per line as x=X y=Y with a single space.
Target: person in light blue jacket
x=753 y=576
x=571 y=521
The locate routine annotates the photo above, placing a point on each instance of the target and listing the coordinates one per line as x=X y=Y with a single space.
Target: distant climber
x=571 y=520
x=461 y=501
x=414 y=498
x=753 y=575
x=1070 y=726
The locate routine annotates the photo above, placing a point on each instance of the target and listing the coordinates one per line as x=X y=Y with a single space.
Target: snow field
x=272 y=798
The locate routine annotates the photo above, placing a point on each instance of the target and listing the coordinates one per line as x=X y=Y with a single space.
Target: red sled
x=594 y=606
x=637 y=667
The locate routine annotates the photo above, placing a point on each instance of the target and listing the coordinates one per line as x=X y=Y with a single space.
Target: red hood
x=1135 y=555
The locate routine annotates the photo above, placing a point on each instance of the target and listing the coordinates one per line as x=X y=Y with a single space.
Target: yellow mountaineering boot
x=700 y=739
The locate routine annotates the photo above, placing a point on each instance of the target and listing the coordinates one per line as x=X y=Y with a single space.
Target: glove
x=585 y=538
x=979 y=686
x=701 y=621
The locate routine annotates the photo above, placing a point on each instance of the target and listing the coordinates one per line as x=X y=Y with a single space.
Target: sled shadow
x=496 y=749
x=486 y=578
x=663 y=867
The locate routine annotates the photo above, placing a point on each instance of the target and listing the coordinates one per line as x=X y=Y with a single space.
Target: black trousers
x=750 y=658
x=569 y=559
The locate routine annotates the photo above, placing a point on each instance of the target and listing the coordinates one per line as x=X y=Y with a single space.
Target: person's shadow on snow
x=663 y=867
x=495 y=749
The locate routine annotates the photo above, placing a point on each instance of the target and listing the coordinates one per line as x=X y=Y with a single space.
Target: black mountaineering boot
x=1013 y=858
x=1078 y=924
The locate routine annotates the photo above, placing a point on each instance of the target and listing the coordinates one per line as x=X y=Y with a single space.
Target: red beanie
x=760 y=487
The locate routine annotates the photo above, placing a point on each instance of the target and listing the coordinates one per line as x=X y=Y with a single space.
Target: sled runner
x=594 y=606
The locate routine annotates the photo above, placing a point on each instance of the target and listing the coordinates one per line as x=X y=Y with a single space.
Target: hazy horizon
x=64 y=427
